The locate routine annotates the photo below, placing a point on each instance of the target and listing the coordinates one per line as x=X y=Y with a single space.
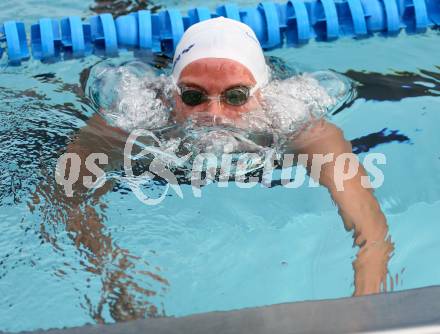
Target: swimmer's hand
x=359 y=209
x=371 y=267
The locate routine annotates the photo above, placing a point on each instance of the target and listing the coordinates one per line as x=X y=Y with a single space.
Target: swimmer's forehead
x=199 y=86
x=215 y=76
x=213 y=69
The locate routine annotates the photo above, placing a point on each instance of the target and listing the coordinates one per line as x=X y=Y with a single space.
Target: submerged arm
x=83 y=216
x=358 y=207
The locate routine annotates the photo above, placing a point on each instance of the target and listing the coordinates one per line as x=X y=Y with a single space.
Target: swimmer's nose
x=215 y=108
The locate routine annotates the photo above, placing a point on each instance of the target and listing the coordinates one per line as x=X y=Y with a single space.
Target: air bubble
x=132 y=96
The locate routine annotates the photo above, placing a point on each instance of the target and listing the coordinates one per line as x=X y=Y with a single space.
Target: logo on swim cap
x=252 y=37
x=188 y=49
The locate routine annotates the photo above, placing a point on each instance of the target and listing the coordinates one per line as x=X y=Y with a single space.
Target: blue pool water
x=231 y=248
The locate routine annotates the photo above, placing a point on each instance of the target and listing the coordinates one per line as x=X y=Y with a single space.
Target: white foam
x=292 y=103
x=132 y=96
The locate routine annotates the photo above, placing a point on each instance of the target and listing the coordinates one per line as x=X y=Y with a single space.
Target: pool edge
x=412 y=309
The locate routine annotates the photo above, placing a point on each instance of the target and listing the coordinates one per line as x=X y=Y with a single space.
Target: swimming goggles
x=235 y=96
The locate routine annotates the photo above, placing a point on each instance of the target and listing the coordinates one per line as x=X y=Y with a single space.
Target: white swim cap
x=221 y=38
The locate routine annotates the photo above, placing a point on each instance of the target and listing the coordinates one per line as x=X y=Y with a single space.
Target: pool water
x=232 y=248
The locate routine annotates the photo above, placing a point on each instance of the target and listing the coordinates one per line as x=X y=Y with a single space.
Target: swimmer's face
x=214 y=76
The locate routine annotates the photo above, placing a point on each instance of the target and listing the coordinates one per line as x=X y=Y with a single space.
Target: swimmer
x=219 y=70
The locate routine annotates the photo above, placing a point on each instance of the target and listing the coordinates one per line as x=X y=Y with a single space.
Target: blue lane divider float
x=392 y=17
x=352 y=18
x=298 y=28
x=434 y=11
x=45 y=39
x=103 y=33
x=231 y=11
x=414 y=15
x=14 y=34
x=171 y=29
x=76 y=37
x=135 y=31
x=196 y=15
x=295 y=22
x=325 y=19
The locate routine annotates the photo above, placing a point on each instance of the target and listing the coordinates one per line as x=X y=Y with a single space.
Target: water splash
x=130 y=96
x=133 y=96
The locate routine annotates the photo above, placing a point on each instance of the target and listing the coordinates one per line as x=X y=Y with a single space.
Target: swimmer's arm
x=78 y=211
x=83 y=216
x=357 y=206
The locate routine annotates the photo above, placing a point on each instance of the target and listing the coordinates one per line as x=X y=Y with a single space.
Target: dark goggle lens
x=236 y=96
x=192 y=97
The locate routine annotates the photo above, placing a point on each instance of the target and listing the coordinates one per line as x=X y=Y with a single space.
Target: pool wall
x=412 y=311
